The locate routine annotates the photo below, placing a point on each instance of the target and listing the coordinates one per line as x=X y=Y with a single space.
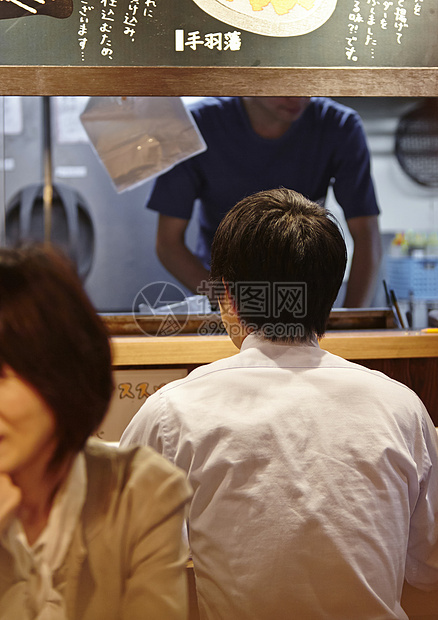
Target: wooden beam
x=225 y=81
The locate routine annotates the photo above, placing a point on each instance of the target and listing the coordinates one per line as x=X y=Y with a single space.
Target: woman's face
x=27 y=427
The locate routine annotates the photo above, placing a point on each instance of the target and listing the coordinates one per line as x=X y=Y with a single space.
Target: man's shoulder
x=205 y=371
x=328 y=110
x=368 y=381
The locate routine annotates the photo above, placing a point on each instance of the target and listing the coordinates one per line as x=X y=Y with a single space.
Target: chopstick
x=388 y=296
x=397 y=309
x=392 y=302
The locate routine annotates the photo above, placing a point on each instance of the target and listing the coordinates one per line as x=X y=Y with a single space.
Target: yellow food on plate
x=281 y=7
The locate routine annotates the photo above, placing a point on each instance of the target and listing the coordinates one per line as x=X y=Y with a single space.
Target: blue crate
x=416 y=276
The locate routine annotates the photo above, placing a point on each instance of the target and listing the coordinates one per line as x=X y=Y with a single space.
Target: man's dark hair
x=291 y=253
x=52 y=338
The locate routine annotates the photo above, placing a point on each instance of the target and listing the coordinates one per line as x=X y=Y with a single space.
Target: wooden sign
x=357 y=37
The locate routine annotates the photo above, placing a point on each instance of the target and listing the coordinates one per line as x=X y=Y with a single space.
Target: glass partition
x=114 y=237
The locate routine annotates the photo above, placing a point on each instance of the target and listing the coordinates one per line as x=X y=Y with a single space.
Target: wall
x=405 y=205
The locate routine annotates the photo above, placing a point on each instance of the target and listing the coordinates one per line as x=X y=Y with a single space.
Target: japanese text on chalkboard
x=212 y=40
x=373 y=22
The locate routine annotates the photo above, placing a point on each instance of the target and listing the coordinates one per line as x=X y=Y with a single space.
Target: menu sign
x=231 y=33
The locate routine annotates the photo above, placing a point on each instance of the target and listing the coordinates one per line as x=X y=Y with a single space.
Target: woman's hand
x=10 y=498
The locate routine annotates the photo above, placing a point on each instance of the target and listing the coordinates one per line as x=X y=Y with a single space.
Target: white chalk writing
x=222 y=41
x=372 y=20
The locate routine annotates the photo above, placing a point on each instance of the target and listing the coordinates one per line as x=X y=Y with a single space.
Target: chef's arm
x=175 y=256
x=365 y=262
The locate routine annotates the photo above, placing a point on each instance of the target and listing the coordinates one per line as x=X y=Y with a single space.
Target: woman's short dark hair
x=51 y=336
x=291 y=252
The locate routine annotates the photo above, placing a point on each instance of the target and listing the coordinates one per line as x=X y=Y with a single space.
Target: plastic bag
x=139 y=138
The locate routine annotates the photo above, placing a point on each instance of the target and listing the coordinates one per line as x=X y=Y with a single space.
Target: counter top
x=193 y=349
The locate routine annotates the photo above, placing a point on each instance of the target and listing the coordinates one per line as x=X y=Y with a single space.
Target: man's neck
x=265 y=124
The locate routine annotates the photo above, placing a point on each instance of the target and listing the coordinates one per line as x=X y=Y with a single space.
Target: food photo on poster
x=242 y=33
x=276 y=18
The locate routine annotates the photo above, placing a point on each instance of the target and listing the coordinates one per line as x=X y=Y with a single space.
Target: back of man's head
x=283 y=259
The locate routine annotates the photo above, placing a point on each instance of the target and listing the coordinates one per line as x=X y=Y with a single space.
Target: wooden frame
x=204 y=81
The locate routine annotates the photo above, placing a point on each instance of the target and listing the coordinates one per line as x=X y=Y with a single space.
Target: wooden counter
x=407 y=356
x=195 y=350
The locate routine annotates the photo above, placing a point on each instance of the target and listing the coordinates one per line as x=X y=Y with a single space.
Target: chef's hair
x=52 y=338
x=282 y=258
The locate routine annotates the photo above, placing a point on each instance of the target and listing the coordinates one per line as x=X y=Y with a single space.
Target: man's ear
x=230 y=317
x=227 y=300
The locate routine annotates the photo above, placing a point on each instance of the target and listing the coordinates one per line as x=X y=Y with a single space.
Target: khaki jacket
x=127 y=558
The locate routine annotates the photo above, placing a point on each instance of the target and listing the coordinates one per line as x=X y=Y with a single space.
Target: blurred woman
x=87 y=531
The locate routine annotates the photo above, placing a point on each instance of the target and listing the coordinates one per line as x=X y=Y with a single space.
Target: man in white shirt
x=315 y=479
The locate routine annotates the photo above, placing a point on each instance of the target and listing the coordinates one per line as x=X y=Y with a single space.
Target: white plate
x=267 y=21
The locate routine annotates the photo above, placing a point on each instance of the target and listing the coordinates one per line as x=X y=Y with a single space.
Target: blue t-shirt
x=325 y=146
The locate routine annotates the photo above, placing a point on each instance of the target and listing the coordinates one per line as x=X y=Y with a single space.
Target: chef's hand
x=10 y=499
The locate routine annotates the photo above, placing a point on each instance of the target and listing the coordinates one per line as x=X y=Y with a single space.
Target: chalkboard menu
x=219 y=33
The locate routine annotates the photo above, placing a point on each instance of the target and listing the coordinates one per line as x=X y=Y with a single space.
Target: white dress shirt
x=315 y=483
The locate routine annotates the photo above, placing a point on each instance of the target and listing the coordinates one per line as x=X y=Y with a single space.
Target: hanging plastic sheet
x=139 y=138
